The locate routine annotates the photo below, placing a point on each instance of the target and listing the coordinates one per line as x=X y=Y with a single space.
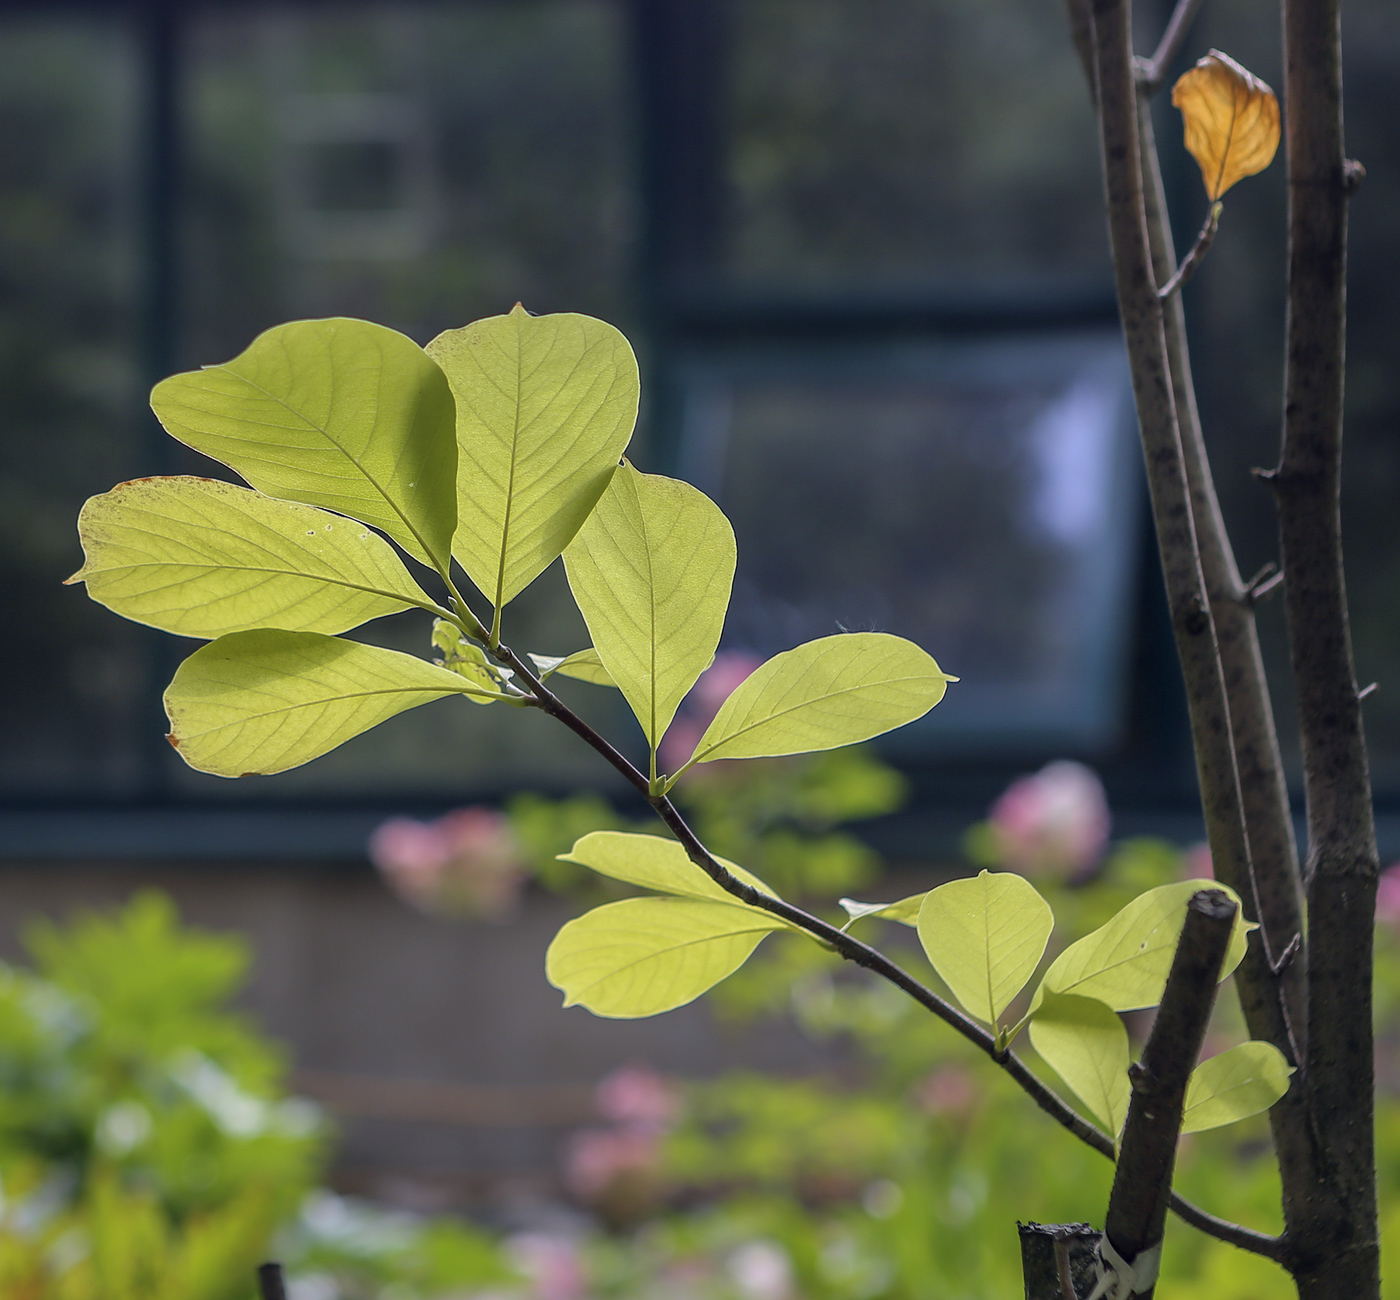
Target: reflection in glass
x=976 y=498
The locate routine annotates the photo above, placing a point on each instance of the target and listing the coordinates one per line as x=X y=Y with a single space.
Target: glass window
x=871 y=141
x=77 y=698
x=979 y=498
x=861 y=248
x=421 y=166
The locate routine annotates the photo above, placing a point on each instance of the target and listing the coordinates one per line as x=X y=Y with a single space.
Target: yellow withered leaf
x=1231 y=117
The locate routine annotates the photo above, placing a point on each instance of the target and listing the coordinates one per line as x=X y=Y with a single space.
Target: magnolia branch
x=1152 y=72
x=861 y=954
x=1137 y=1207
x=1196 y=256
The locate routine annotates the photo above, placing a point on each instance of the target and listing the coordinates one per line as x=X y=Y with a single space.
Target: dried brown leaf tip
x=1231 y=117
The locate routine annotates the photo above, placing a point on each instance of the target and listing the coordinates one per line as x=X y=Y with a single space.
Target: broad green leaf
x=651 y=571
x=261 y=702
x=985 y=936
x=834 y=691
x=200 y=558
x=1085 y=1043
x=545 y=408
x=643 y=956
x=653 y=863
x=584 y=665
x=1236 y=1084
x=1125 y=961
x=905 y=911
x=336 y=413
x=467 y=659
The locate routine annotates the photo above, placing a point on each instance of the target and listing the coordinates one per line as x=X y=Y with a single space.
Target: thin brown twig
x=1196 y=256
x=1081 y=30
x=1263 y=795
x=1151 y=72
x=1142 y=316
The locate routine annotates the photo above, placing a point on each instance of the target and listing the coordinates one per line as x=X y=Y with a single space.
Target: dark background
x=773 y=198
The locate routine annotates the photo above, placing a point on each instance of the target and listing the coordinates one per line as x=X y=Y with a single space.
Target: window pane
x=977 y=498
x=421 y=166
x=874 y=140
x=418 y=165
x=73 y=674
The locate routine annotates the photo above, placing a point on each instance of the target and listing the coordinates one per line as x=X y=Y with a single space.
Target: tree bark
x=1332 y=1224
x=1058 y=1260
x=1137 y=1206
x=1061 y=1261
x=1263 y=792
x=1187 y=596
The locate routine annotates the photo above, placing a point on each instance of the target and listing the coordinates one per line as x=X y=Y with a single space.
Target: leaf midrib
x=257 y=568
x=325 y=433
x=510 y=477
x=658 y=953
x=1142 y=951
x=337 y=699
x=772 y=717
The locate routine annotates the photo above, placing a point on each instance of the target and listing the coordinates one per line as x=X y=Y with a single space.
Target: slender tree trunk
x=1333 y=1224
x=1263 y=793
x=1313 y=1001
x=1172 y=508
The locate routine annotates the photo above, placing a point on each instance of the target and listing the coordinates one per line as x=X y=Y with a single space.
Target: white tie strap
x=1119 y=1279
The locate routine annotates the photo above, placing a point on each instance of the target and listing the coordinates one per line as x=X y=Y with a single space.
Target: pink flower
x=1196 y=863
x=467 y=863
x=761 y=1270
x=1055 y=822
x=679 y=742
x=639 y=1097
x=553 y=1265
x=1388 y=896
x=625 y=1157
x=721 y=679
x=949 y=1090
x=598 y=1159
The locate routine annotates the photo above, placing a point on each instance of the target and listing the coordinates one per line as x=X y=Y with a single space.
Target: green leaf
x=643 y=956
x=1124 y=963
x=905 y=911
x=1236 y=1084
x=467 y=659
x=545 y=407
x=336 y=413
x=651 y=571
x=261 y=702
x=834 y=691
x=654 y=863
x=985 y=936
x=198 y=557
x=584 y=665
x=1085 y=1043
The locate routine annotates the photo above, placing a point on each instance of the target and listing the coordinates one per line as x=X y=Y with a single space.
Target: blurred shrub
x=903 y=1175
x=149 y=1149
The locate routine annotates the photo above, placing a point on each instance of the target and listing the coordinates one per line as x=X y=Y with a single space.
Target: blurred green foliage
x=148 y=1147
x=904 y=1178
x=902 y=1174
x=777 y=816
